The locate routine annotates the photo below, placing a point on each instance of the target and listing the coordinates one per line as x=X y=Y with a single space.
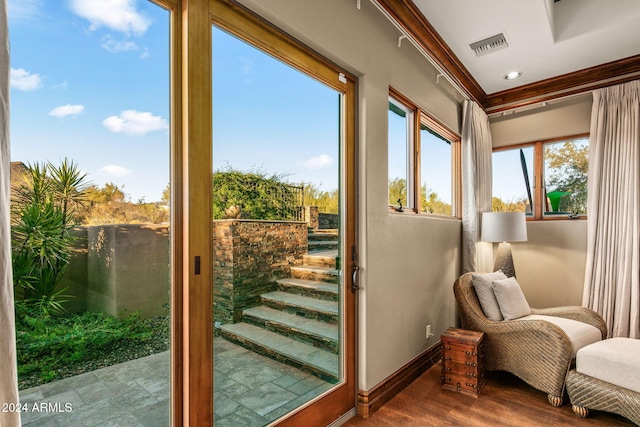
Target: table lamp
x=504 y=227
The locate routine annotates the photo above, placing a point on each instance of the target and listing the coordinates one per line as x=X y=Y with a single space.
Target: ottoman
x=607 y=378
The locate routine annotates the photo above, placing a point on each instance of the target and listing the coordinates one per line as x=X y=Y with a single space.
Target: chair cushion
x=580 y=334
x=484 y=291
x=510 y=298
x=614 y=361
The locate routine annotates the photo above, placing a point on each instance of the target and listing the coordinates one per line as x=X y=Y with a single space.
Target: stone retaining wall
x=249 y=256
x=328 y=221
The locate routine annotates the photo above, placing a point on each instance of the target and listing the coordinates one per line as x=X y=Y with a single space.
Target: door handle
x=354 y=278
x=354 y=270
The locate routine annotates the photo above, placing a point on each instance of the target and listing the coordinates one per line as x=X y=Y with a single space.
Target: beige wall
x=409 y=262
x=555 y=120
x=550 y=265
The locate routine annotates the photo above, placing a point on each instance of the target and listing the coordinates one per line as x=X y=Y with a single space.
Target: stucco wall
x=409 y=262
x=128 y=269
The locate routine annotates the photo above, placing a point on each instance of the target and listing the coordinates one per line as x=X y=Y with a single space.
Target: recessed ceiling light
x=512 y=75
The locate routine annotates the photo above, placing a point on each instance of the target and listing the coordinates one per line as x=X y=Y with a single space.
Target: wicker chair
x=536 y=351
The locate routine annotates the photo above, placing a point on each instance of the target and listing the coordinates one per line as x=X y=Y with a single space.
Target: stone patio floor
x=249 y=390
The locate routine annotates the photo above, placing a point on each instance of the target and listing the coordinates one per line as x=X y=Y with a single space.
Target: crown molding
x=410 y=18
x=407 y=15
x=555 y=87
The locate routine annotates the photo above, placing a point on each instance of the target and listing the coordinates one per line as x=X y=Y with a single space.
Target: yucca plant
x=43 y=213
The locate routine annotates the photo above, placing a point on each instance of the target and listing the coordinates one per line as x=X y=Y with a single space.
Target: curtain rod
x=417 y=45
x=536 y=104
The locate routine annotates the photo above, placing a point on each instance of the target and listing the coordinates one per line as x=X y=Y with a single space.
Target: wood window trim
x=421 y=116
x=538 y=173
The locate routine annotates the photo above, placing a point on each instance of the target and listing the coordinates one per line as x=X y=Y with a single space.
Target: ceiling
x=546 y=39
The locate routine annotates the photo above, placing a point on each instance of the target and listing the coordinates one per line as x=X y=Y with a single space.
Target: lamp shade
x=504 y=227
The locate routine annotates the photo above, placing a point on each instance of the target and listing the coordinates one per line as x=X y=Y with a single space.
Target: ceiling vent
x=490 y=44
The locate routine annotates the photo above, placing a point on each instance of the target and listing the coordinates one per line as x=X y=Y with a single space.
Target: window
x=436 y=169
x=423 y=161
x=513 y=180
x=565 y=176
x=400 y=158
x=543 y=179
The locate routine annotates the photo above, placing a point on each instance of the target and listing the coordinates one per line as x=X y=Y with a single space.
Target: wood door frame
x=191 y=224
x=248 y=26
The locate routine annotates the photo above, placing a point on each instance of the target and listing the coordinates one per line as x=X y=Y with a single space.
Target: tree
x=44 y=209
x=516 y=205
x=109 y=193
x=397 y=191
x=431 y=203
x=108 y=206
x=326 y=201
x=567 y=167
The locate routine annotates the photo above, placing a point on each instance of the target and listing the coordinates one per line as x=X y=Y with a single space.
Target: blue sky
x=90 y=82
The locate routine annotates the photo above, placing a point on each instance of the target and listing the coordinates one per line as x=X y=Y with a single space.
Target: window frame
x=538 y=184
x=421 y=117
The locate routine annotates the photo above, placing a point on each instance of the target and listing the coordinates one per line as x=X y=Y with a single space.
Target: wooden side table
x=462 y=361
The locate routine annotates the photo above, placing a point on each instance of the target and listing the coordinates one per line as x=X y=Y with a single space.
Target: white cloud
x=114 y=170
x=22 y=79
x=117 y=15
x=134 y=122
x=23 y=9
x=62 y=85
x=318 y=162
x=66 y=110
x=115 y=46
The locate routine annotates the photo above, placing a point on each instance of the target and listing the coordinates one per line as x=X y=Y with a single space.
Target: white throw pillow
x=482 y=283
x=510 y=298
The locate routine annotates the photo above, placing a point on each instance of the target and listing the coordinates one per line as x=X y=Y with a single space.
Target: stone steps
x=310 y=288
x=321 y=363
x=313 y=332
x=317 y=273
x=298 y=323
x=309 y=308
x=325 y=258
x=322 y=240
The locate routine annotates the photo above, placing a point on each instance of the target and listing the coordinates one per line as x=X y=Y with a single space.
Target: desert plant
x=43 y=213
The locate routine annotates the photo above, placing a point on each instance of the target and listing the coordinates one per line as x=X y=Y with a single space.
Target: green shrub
x=48 y=345
x=259 y=196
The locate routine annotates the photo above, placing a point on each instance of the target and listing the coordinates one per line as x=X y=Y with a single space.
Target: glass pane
x=399 y=133
x=90 y=166
x=435 y=172
x=513 y=180
x=276 y=235
x=565 y=173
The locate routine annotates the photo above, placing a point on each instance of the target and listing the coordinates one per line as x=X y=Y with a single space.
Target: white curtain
x=476 y=187
x=8 y=366
x=612 y=276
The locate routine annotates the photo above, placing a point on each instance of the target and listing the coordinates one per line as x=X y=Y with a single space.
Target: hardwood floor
x=504 y=401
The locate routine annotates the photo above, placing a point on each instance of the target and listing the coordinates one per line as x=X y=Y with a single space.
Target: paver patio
x=250 y=390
